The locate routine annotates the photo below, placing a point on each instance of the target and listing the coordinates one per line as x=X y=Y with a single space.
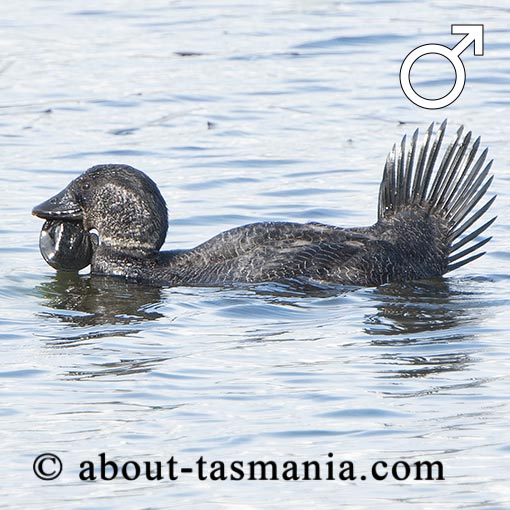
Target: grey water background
x=245 y=112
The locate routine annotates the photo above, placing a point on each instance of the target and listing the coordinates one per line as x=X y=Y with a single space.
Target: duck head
x=121 y=203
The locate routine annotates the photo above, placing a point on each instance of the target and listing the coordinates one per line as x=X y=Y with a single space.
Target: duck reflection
x=423 y=327
x=412 y=308
x=94 y=307
x=99 y=300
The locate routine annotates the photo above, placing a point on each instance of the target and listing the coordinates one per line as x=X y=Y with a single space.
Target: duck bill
x=62 y=206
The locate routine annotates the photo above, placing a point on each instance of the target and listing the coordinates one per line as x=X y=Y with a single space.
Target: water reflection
x=423 y=328
x=94 y=307
x=292 y=289
x=414 y=307
x=99 y=300
x=416 y=329
x=116 y=368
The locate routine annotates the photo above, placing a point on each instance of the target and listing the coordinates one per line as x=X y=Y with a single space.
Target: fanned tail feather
x=453 y=193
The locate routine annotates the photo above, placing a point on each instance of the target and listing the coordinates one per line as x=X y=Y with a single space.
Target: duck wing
x=270 y=251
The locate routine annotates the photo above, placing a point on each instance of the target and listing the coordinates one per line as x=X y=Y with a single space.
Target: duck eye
x=85 y=186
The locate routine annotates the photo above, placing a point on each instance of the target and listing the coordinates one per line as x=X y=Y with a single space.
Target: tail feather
x=410 y=163
x=452 y=192
x=470 y=203
x=469 y=250
x=418 y=174
x=466 y=183
x=459 y=231
x=447 y=169
x=431 y=161
x=473 y=234
x=451 y=267
x=401 y=166
x=452 y=187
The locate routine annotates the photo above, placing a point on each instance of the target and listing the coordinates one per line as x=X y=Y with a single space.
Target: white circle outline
x=405 y=76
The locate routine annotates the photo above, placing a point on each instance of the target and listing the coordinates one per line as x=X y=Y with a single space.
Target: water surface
x=245 y=113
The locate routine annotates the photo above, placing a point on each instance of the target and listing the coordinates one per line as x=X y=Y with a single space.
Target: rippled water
x=244 y=113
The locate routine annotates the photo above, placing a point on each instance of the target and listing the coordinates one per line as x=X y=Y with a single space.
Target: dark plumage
x=423 y=215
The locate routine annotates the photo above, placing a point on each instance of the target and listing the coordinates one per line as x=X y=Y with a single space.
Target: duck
x=114 y=218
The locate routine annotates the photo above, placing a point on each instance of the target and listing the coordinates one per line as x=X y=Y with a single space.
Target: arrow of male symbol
x=473 y=34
